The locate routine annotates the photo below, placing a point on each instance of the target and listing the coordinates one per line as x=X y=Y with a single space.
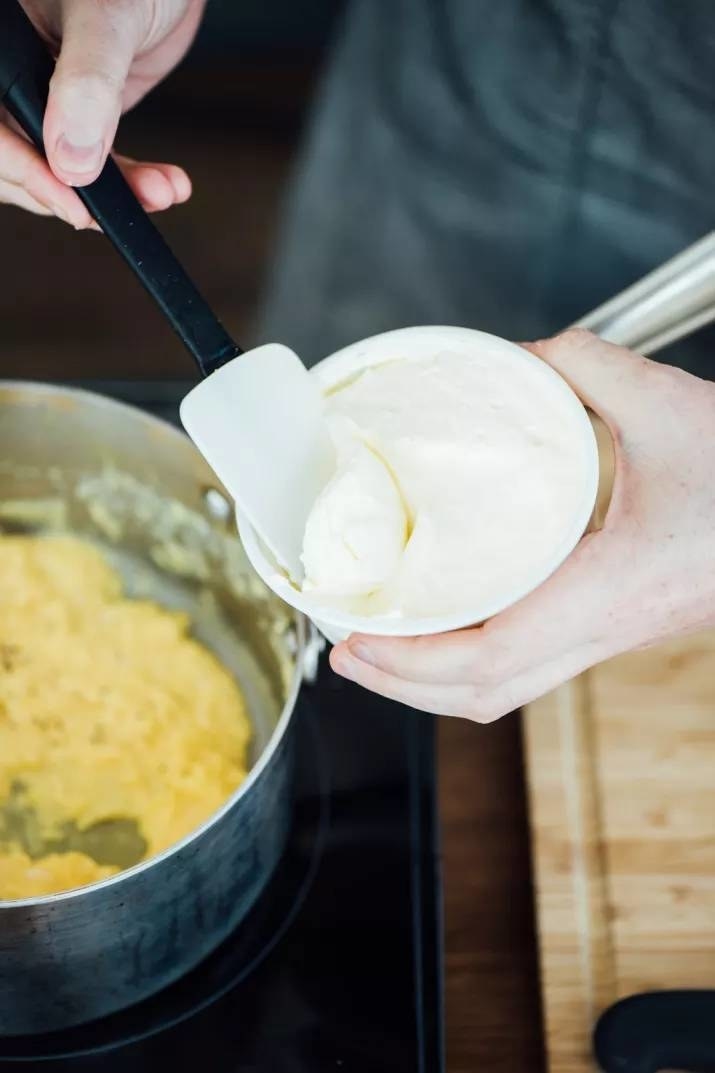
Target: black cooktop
x=339 y=966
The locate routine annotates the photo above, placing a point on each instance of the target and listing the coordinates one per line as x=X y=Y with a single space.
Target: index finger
x=566 y=612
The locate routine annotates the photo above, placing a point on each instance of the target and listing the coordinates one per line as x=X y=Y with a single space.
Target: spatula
x=257 y=416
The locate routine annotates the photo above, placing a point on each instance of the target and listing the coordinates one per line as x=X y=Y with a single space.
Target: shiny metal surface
x=668 y=304
x=135 y=485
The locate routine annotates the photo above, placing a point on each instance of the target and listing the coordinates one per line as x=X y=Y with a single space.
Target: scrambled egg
x=108 y=710
x=21 y=877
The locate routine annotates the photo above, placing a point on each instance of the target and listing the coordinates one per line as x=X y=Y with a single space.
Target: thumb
x=605 y=376
x=99 y=41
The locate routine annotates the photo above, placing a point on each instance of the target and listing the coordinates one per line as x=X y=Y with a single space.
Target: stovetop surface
x=339 y=966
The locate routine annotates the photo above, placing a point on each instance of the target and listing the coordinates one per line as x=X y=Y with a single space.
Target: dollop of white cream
x=357 y=530
x=457 y=477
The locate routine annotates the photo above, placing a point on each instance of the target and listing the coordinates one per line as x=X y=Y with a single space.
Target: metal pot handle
x=666 y=305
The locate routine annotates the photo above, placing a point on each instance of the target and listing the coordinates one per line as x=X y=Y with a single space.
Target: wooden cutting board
x=621 y=773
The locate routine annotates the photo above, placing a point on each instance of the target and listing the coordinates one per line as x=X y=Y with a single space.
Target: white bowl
x=419 y=342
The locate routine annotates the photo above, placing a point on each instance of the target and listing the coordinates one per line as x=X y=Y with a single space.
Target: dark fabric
x=504 y=165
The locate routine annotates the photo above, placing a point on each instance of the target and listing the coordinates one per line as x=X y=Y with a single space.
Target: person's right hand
x=110 y=53
x=646 y=575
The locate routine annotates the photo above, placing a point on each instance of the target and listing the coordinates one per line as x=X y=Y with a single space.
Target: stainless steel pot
x=70 y=459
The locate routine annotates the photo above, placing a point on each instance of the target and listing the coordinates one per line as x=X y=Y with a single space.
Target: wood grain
x=622 y=802
x=492 y=996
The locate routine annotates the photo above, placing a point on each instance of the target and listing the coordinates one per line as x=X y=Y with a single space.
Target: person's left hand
x=109 y=55
x=648 y=574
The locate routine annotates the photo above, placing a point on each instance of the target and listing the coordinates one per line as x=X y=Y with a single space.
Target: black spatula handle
x=26 y=67
x=661 y=1030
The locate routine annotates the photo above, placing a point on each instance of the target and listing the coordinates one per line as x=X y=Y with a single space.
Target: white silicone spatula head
x=259 y=423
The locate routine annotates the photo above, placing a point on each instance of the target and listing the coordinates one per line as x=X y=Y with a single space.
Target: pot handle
x=666 y=305
x=26 y=68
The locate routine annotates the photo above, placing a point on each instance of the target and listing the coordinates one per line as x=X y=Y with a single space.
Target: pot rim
x=273 y=742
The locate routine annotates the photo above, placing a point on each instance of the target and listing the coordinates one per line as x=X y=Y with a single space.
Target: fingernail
x=77 y=158
x=361 y=651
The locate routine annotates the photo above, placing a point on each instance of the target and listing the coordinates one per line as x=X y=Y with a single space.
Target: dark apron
x=500 y=164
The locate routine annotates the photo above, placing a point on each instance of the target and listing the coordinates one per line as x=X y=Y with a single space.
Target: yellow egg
x=109 y=710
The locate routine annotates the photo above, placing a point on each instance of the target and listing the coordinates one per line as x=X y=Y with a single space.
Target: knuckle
x=574 y=338
x=487 y=702
x=126 y=17
x=98 y=86
x=478 y=707
x=489 y=712
x=479 y=714
x=667 y=376
x=116 y=8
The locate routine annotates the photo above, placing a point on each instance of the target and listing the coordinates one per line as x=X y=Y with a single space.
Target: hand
x=110 y=54
x=647 y=575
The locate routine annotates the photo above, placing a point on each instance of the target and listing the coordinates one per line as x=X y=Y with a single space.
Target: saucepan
x=135 y=485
